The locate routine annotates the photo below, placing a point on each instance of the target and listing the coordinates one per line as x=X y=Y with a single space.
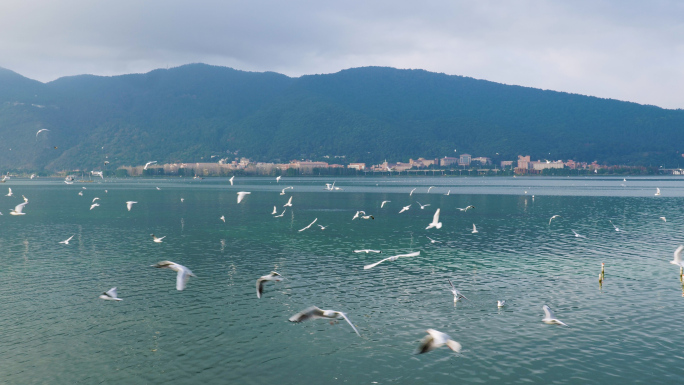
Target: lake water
x=54 y=329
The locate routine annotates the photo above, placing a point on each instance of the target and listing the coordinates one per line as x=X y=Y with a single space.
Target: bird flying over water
x=435 y=221
x=18 y=210
x=405 y=208
x=435 y=339
x=501 y=303
x=457 y=294
x=110 y=295
x=474 y=229
x=241 y=195
x=9 y=194
x=367 y=251
x=283 y=192
x=663 y=218
x=383 y=203
x=265 y=278
x=358 y=213
x=432 y=240
x=549 y=318
x=391 y=259
x=281 y=214
x=183 y=272
x=314 y=313
x=422 y=207
x=466 y=209
x=41 y=130
x=430 y=188
x=289 y=203
x=577 y=235
x=552 y=218
x=657 y=191
x=616 y=228
x=231 y=180
x=275 y=211
x=157 y=240
x=310 y=224
x=66 y=241
x=411 y=193
x=94 y=205
x=223 y=218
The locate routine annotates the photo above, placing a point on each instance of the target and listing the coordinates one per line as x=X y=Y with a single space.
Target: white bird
x=474 y=229
x=18 y=210
x=275 y=211
x=69 y=182
x=310 y=224
x=289 y=203
x=663 y=218
x=457 y=294
x=552 y=218
x=9 y=194
x=411 y=193
x=467 y=208
x=430 y=188
x=149 y=163
x=66 y=241
x=84 y=188
x=110 y=295
x=432 y=240
x=391 y=259
x=422 y=207
x=383 y=203
x=323 y=227
x=94 y=199
x=130 y=204
x=435 y=221
x=448 y=192
x=367 y=251
x=501 y=303
x=80 y=193
x=435 y=339
x=94 y=205
x=183 y=272
x=616 y=228
x=549 y=318
x=231 y=180
x=270 y=277
x=314 y=313
x=41 y=130
x=278 y=178
x=577 y=235
x=404 y=209
x=158 y=189
x=281 y=214
x=157 y=240
x=678 y=257
x=182 y=200
x=25 y=199
x=283 y=192
x=358 y=213
x=223 y=218
x=657 y=191
x=367 y=217
x=241 y=195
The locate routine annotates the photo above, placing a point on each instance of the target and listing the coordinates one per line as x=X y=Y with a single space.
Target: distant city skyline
x=625 y=50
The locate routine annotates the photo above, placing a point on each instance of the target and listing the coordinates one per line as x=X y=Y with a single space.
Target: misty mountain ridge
x=368 y=114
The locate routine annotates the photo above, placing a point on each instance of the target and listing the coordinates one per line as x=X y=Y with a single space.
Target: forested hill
x=189 y=113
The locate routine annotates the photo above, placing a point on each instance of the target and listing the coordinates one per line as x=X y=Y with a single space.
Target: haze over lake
x=55 y=329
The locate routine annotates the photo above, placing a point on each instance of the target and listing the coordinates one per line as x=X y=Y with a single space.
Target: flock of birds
x=434 y=338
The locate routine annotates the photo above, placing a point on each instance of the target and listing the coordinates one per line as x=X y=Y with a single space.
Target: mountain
x=188 y=113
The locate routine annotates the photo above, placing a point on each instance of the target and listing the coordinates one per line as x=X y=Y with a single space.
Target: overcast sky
x=627 y=50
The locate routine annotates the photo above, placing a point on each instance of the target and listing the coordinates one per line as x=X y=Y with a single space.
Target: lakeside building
x=506 y=163
x=543 y=165
x=464 y=160
x=357 y=166
x=447 y=161
x=482 y=160
x=423 y=163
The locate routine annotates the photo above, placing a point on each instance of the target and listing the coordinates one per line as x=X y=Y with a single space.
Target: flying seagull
x=314 y=313
x=80 y=193
x=94 y=205
x=383 y=203
x=289 y=203
x=231 y=180
x=657 y=191
x=223 y=218
x=501 y=303
x=448 y=193
x=9 y=194
x=130 y=204
x=391 y=259
x=432 y=240
x=552 y=218
x=18 y=210
x=110 y=295
x=278 y=178
x=367 y=251
x=283 y=192
x=405 y=208
x=310 y=224
x=430 y=188
x=66 y=241
x=270 y=277
x=474 y=229
x=279 y=216
x=549 y=318
x=411 y=193
x=678 y=259
x=616 y=228
x=358 y=213
x=467 y=208
x=457 y=294
x=94 y=199
x=183 y=272
x=422 y=207
x=322 y=227
x=577 y=235
x=156 y=239
x=149 y=163
x=435 y=221
x=435 y=339
x=663 y=218
x=41 y=130
x=241 y=195
x=275 y=211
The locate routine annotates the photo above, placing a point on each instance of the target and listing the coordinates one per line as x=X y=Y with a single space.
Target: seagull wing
x=678 y=256
x=426 y=344
x=435 y=218
x=20 y=207
x=372 y=265
x=182 y=278
x=349 y=322
x=259 y=287
x=111 y=292
x=306 y=314
x=548 y=314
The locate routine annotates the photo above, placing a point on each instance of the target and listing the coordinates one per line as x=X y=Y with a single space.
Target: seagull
x=367 y=217
x=94 y=199
x=404 y=209
x=422 y=207
x=183 y=272
x=432 y=240
x=411 y=193
x=182 y=200
x=279 y=216
x=657 y=191
x=501 y=303
x=157 y=240
x=270 y=277
x=435 y=339
x=466 y=209
x=368 y=251
x=663 y=218
x=158 y=189
x=130 y=204
x=278 y=178
x=289 y=203
x=241 y=195
x=231 y=180
x=383 y=203
x=474 y=229
x=66 y=241
x=18 y=209
x=601 y=274
x=283 y=192
x=457 y=294
x=678 y=259
x=358 y=213
x=149 y=163
x=435 y=221
x=549 y=318
x=25 y=199
x=41 y=130
x=322 y=227
x=275 y=211
x=69 y=182
x=9 y=194
x=310 y=224
x=80 y=193
x=577 y=235
x=223 y=218
x=313 y=313
x=391 y=259
x=430 y=188
x=552 y=218
x=110 y=295
x=448 y=192
x=616 y=228
x=94 y=205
